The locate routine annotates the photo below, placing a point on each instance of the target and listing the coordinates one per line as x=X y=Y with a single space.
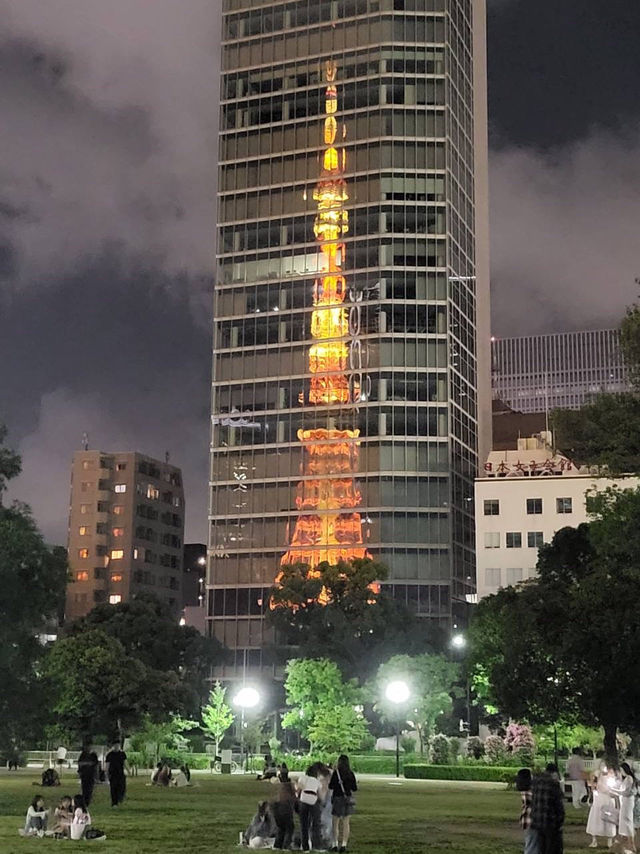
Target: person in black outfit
x=547 y=810
x=87 y=770
x=342 y=785
x=282 y=811
x=115 y=760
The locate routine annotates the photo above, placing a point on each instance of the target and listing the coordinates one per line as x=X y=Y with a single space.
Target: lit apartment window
x=535 y=539
x=118 y=532
x=153 y=492
x=491 y=507
x=514 y=576
x=534 y=506
x=82 y=553
x=118 y=509
x=85 y=508
x=514 y=540
x=116 y=576
x=117 y=554
x=564 y=505
x=86 y=464
x=492 y=540
x=83 y=575
x=83 y=530
x=136 y=553
x=492 y=577
x=115 y=599
x=120 y=487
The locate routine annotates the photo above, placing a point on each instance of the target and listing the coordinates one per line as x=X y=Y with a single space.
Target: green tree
x=313 y=685
x=630 y=341
x=32 y=582
x=338 y=729
x=217 y=716
x=432 y=681
x=148 y=631
x=562 y=645
x=164 y=736
x=353 y=626
x=98 y=688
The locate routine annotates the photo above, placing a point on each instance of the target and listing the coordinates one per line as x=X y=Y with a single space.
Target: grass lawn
x=409 y=817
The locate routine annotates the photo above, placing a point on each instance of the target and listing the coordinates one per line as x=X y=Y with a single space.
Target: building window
x=118 y=509
x=103 y=506
x=83 y=530
x=514 y=540
x=117 y=554
x=120 y=487
x=98 y=572
x=492 y=540
x=564 y=505
x=153 y=492
x=83 y=575
x=85 y=508
x=118 y=532
x=534 y=506
x=535 y=539
x=86 y=464
x=101 y=550
x=83 y=553
x=85 y=486
x=492 y=577
x=116 y=576
x=491 y=507
x=121 y=466
x=115 y=599
x=136 y=553
x=514 y=576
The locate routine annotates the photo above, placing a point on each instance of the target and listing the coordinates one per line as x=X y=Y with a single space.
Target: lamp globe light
x=397 y=691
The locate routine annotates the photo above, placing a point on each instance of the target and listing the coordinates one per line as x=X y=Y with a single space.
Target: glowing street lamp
x=398 y=693
x=458 y=641
x=246 y=698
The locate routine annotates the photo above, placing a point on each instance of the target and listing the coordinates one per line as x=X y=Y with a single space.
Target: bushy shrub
x=482 y=773
x=454 y=748
x=474 y=747
x=439 y=749
x=368 y=743
x=520 y=743
x=494 y=749
x=408 y=744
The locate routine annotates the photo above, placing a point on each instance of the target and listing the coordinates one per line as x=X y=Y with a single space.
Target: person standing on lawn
x=342 y=785
x=87 y=771
x=524 y=781
x=547 y=811
x=115 y=761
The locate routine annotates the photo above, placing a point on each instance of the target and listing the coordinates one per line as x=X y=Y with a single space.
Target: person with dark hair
x=261 y=829
x=50 y=777
x=283 y=814
x=602 y=815
x=35 y=822
x=626 y=787
x=115 y=761
x=342 y=785
x=575 y=776
x=283 y=773
x=63 y=815
x=309 y=809
x=87 y=771
x=523 y=785
x=547 y=810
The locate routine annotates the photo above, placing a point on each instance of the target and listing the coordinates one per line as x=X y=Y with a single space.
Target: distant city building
x=522 y=498
x=351 y=399
x=126 y=528
x=538 y=373
x=193 y=578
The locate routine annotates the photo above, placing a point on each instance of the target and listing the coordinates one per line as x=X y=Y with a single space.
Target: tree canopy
x=353 y=626
x=217 y=716
x=563 y=645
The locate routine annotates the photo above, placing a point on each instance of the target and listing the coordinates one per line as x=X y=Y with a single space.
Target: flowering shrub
x=520 y=743
x=494 y=749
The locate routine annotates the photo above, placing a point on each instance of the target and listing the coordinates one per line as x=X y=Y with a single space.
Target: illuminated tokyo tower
x=328 y=528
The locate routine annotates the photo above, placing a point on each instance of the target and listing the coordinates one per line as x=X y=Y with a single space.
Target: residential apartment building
x=522 y=498
x=351 y=377
x=561 y=370
x=126 y=530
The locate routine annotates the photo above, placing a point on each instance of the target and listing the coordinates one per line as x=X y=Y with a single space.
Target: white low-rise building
x=524 y=496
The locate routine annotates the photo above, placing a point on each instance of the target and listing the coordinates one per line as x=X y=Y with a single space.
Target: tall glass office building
x=351 y=373
x=561 y=370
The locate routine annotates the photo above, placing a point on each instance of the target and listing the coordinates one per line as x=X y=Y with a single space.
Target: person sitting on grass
x=35 y=822
x=50 y=777
x=261 y=832
x=63 y=814
x=81 y=820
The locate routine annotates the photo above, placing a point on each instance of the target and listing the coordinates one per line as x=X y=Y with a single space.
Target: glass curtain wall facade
x=538 y=373
x=399 y=397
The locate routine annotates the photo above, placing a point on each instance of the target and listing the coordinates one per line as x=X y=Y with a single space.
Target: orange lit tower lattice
x=329 y=528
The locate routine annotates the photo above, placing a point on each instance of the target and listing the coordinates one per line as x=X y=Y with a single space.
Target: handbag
x=610 y=814
x=350 y=799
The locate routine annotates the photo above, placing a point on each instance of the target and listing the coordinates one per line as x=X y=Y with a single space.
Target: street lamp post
x=459 y=643
x=397 y=692
x=246 y=698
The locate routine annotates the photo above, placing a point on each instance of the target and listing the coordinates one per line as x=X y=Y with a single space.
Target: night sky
x=107 y=213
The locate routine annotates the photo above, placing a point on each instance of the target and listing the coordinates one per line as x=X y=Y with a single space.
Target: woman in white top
x=625 y=787
x=81 y=819
x=602 y=801
x=35 y=822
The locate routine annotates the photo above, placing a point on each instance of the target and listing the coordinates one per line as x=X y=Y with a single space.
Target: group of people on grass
x=322 y=797
x=613 y=796
x=71 y=819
